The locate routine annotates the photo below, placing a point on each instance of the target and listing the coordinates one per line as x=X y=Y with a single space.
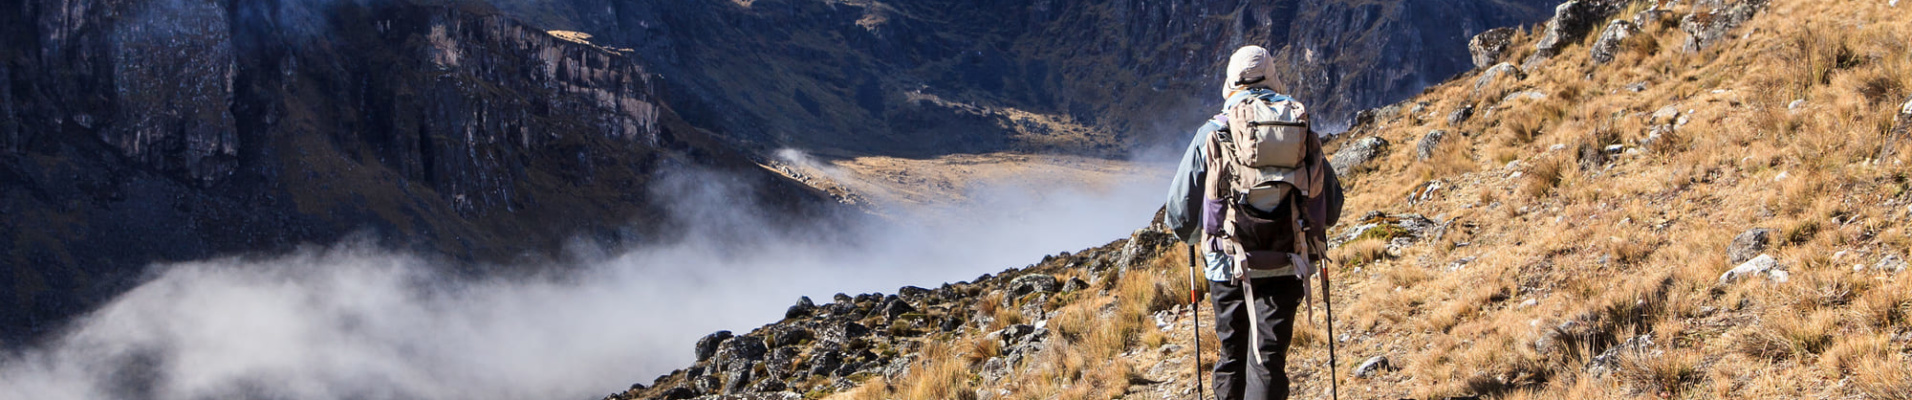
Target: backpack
x=1267 y=181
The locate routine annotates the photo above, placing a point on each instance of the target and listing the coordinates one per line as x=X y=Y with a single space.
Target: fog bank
x=352 y=321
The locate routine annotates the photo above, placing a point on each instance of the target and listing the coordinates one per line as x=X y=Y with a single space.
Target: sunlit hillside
x=1718 y=210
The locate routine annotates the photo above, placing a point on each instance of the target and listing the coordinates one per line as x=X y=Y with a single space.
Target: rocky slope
x=1645 y=199
x=937 y=77
x=151 y=131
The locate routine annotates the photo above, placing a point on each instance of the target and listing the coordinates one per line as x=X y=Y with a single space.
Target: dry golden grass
x=1583 y=252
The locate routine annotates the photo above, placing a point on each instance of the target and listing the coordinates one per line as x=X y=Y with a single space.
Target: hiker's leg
x=1231 y=326
x=1276 y=301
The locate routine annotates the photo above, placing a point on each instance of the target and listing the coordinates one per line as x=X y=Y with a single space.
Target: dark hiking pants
x=1236 y=376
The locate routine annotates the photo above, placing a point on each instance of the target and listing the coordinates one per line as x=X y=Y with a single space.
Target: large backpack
x=1263 y=157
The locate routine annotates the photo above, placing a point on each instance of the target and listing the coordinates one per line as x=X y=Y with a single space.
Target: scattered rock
x=1637 y=87
x=994 y=369
x=1664 y=116
x=764 y=388
x=1496 y=73
x=707 y=346
x=1608 y=361
x=1488 y=46
x=1033 y=283
x=1372 y=367
x=896 y=308
x=1357 y=153
x=842 y=332
x=1747 y=245
x=1617 y=32
x=1074 y=284
x=1892 y=263
x=1763 y=265
x=1572 y=20
x=1460 y=114
x=802 y=309
x=1429 y=142
x=1529 y=94
x=707 y=384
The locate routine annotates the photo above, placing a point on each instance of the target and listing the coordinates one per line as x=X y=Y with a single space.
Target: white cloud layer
x=353 y=322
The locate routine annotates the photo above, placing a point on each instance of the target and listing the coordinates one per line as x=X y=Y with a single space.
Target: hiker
x=1246 y=226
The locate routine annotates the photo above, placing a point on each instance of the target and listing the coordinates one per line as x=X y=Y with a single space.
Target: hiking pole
x=1334 y=369
x=1195 y=306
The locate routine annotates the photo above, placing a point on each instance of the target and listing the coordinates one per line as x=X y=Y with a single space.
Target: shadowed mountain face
x=941 y=76
x=151 y=131
x=141 y=131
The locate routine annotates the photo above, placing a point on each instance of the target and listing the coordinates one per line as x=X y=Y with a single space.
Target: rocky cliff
x=146 y=131
x=938 y=76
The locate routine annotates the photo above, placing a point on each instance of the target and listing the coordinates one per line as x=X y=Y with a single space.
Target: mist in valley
x=351 y=320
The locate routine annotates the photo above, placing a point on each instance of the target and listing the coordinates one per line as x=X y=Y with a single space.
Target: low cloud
x=353 y=321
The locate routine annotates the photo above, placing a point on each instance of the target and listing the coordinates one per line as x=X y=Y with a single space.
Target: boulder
x=1372 y=367
x=1706 y=27
x=1488 y=46
x=1033 y=283
x=1460 y=114
x=788 y=335
x=826 y=363
x=707 y=346
x=1608 y=45
x=1572 y=20
x=1357 y=153
x=738 y=377
x=781 y=363
x=1428 y=144
x=802 y=309
x=913 y=293
x=1747 y=245
x=1763 y=265
x=1074 y=284
x=1496 y=73
x=896 y=308
x=1144 y=245
x=740 y=350
x=842 y=332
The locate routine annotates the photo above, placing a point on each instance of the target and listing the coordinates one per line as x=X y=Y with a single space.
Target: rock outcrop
x=1708 y=26
x=785 y=358
x=1572 y=20
x=1608 y=45
x=1488 y=46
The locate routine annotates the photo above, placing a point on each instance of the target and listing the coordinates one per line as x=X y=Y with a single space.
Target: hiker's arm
x=1185 y=191
x=1331 y=199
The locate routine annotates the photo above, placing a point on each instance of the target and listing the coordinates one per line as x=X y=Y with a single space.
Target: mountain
x=151 y=131
x=935 y=77
x=1638 y=199
x=494 y=134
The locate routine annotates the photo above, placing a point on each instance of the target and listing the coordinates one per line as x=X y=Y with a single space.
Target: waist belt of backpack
x=1303 y=270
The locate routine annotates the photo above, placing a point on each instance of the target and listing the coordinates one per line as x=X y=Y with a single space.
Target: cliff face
x=938 y=76
x=149 y=131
